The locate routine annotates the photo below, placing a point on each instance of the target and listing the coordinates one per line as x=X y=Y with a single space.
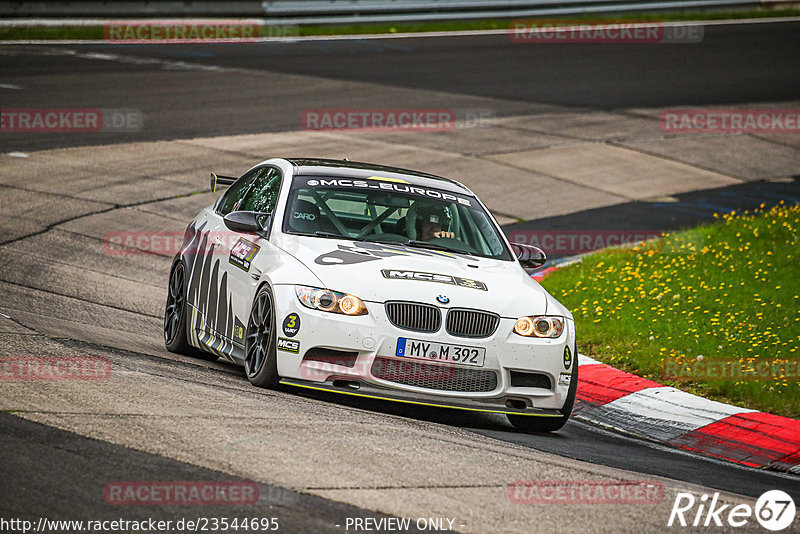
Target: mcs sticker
x=288 y=345
x=242 y=254
x=397 y=274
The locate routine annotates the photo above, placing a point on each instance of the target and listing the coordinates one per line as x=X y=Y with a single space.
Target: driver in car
x=432 y=220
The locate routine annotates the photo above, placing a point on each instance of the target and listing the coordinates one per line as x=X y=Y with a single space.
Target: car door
x=208 y=293
x=238 y=278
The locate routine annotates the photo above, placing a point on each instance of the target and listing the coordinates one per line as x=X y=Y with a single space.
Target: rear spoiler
x=217 y=181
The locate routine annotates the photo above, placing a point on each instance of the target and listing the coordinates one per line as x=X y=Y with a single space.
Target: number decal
x=291 y=325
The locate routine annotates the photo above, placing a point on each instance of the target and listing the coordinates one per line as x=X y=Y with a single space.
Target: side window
x=263 y=196
x=233 y=196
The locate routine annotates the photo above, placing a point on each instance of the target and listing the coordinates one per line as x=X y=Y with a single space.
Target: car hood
x=379 y=273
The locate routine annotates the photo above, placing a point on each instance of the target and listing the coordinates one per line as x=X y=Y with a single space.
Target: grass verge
x=713 y=311
x=24 y=33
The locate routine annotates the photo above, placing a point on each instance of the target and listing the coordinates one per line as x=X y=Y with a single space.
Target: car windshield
x=388 y=211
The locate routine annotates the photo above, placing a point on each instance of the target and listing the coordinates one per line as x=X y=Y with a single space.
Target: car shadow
x=465 y=419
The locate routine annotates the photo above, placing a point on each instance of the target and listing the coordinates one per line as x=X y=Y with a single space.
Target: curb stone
x=640 y=407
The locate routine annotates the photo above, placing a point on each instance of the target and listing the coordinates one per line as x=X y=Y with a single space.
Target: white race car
x=376 y=282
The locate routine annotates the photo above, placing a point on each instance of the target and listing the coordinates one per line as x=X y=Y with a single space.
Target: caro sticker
x=242 y=254
x=288 y=345
x=291 y=325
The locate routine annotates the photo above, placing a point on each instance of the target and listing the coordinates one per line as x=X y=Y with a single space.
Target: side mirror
x=247 y=222
x=529 y=257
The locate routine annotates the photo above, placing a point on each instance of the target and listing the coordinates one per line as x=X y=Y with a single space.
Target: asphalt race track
x=224 y=89
x=320 y=459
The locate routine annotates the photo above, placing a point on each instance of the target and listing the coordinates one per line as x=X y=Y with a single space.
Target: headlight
x=539 y=326
x=330 y=301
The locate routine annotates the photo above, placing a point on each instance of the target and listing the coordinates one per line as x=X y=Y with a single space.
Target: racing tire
x=175 y=328
x=533 y=424
x=261 y=361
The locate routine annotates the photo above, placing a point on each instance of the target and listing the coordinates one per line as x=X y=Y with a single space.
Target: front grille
x=439 y=377
x=471 y=323
x=416 y=317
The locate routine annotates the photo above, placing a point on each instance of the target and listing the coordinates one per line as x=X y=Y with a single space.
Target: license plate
x=440 y=352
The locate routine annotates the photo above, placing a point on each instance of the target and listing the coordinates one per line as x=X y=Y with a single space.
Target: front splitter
x=370 y=391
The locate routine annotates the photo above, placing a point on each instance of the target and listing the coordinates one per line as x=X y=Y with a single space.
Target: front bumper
x=373 y=336
x=372 y=391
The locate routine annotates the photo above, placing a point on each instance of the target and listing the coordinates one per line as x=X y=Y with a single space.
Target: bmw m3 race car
x=376 y=282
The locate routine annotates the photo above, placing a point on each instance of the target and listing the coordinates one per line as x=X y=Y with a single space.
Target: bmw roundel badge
x=442 y=299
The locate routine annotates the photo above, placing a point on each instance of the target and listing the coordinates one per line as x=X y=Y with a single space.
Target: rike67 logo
x=774 y=510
